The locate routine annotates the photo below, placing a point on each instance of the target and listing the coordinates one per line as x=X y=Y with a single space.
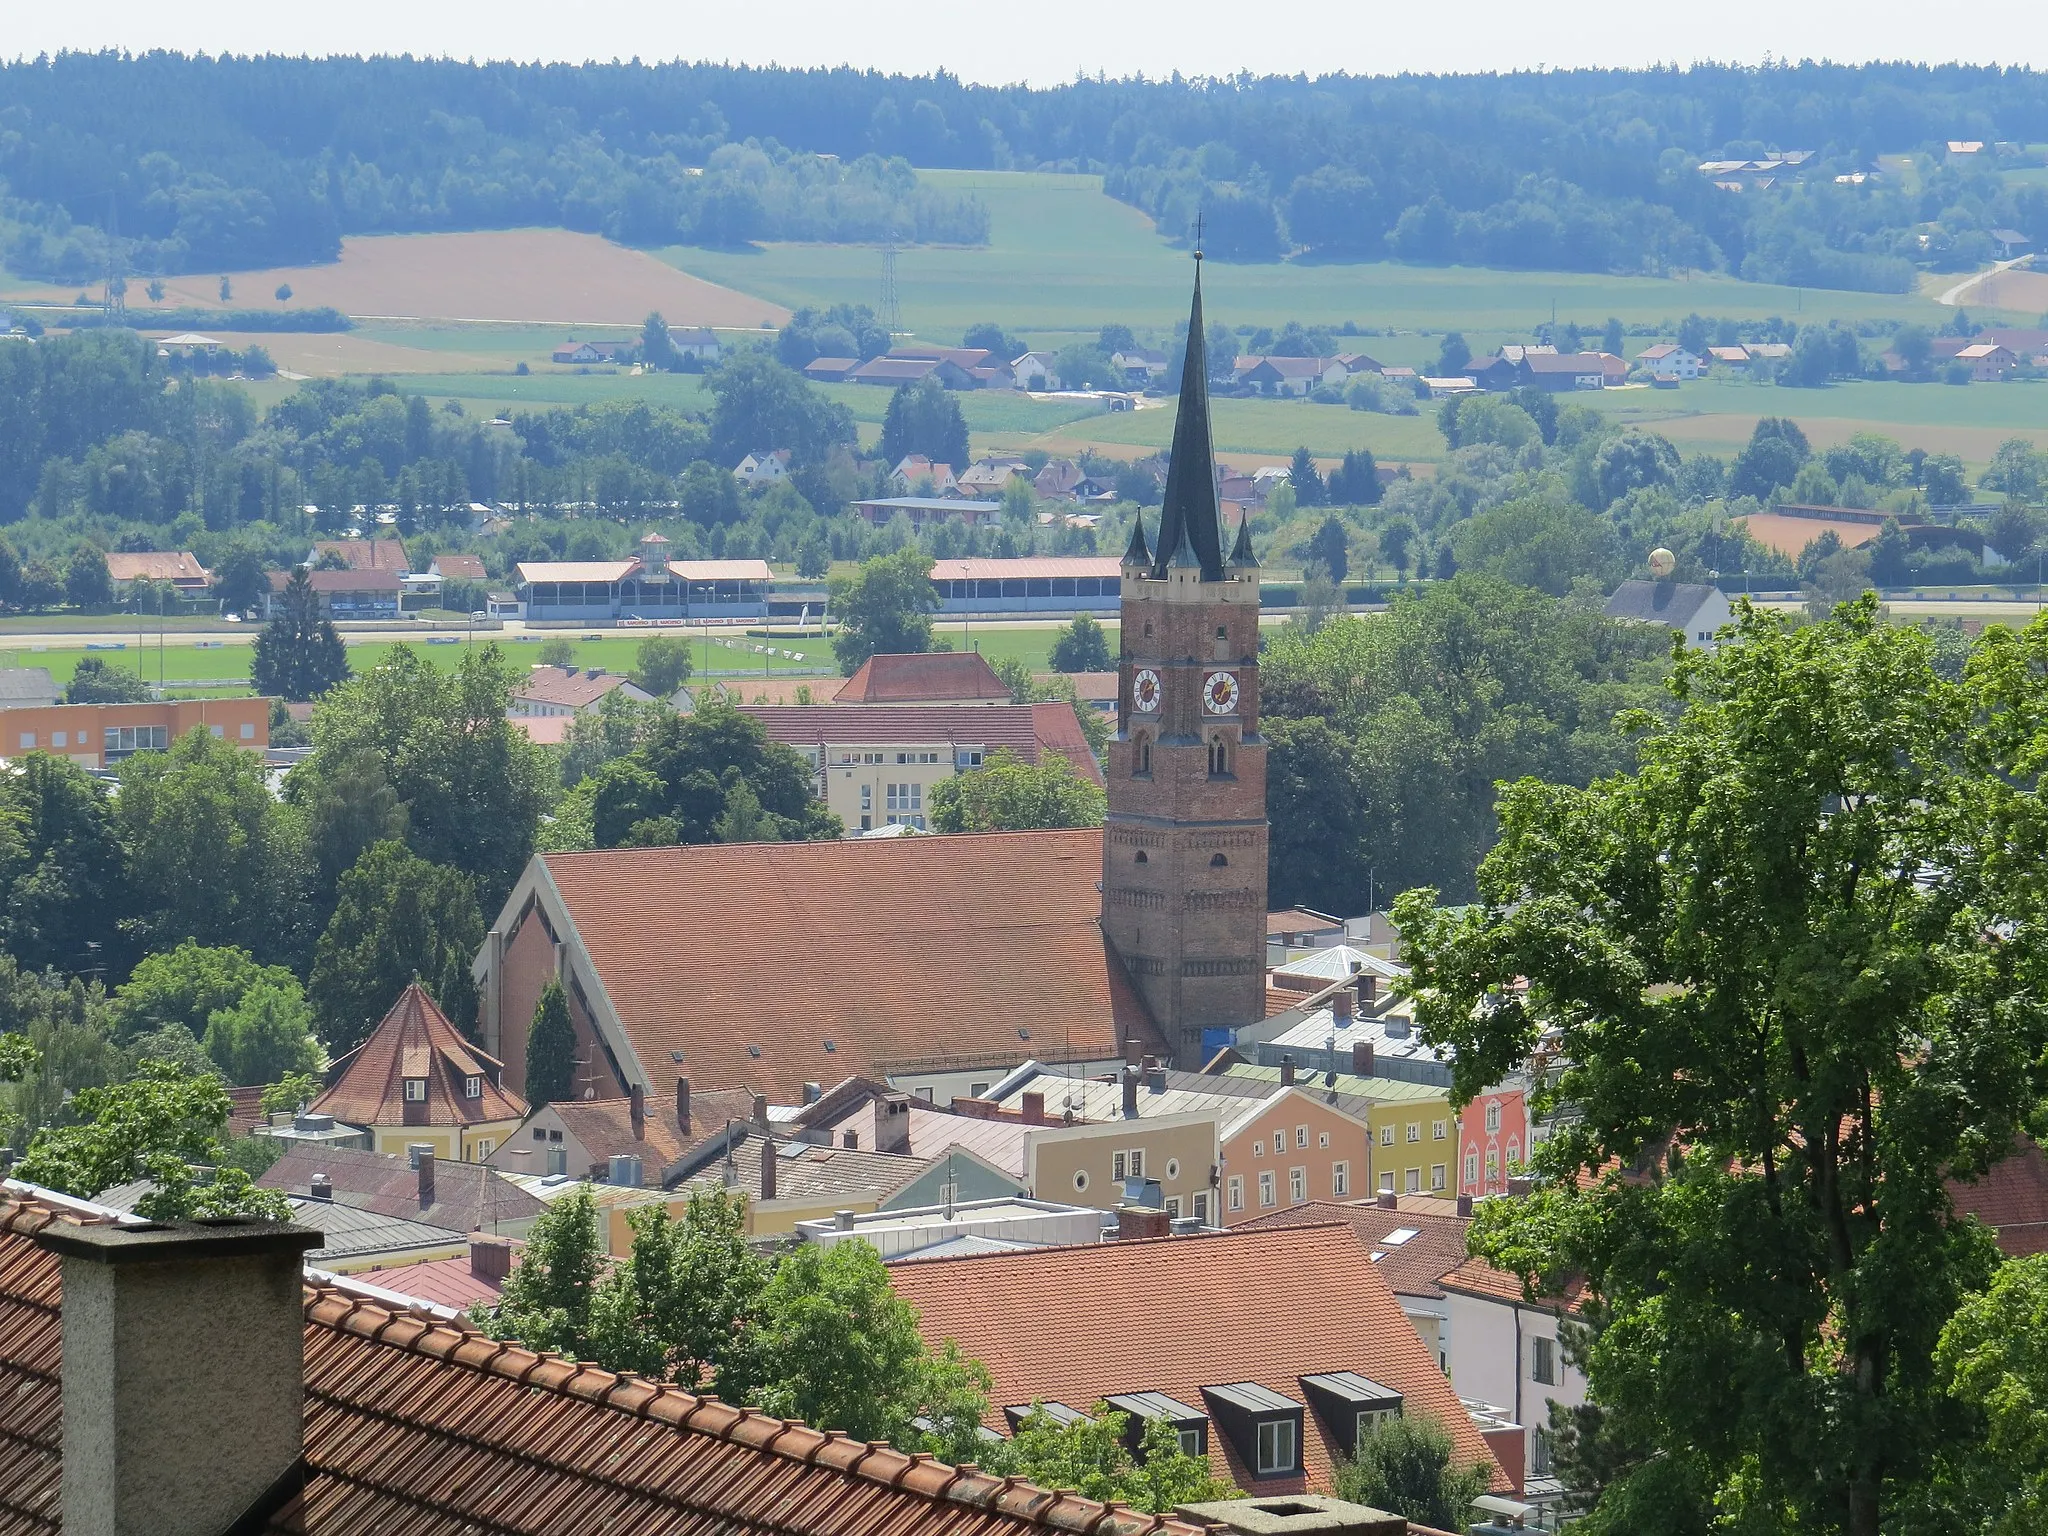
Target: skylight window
x=1398 y=1236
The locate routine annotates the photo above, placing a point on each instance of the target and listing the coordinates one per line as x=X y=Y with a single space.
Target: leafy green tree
x=1081 y=646
x=1992 y=1362
x=925 y=418
x=347 y=811
x=265 y=1035
x=709 y=495
x=546 y=1301
x=1356 y=481
x=618 y=726
x=759 y=404
x=253 y=1020
x=884 y=609
x=692 y=773
x=473 y=786
x=1330 y=547
x=1771 y=461
x=551 y=1049
x=656 y=350
x=1888 y=554
x=1630 y=461
x=682 y=1306
x=95 y=681
x=1406 y=1466
x=291 y=1093
x=456 y=995
x=1791 y=964
x=211 y=854
x=157 y=1126
x=2019 y=469
x=86 y=581
x=841 y=1350
x=1539 y=541
x=69 y=1045
x=397 y=919
x=1452 y=356
x=299 y=655
x=1090 y=1456
x=661 y=664
x=557 y=651
x=1008 y=794
x=60 y=868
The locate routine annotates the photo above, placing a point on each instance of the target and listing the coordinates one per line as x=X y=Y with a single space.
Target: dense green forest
x=235 y=162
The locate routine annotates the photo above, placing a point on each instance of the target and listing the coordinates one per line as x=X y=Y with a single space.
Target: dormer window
x=415 y=1090
x=472 y=1087
x=1263 y=1427
x=1276 y=1447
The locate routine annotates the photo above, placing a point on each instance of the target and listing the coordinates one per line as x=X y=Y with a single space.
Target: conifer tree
x=551 y=1049
x=298 y=656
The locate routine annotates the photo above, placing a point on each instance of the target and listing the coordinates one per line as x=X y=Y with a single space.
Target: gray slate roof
x=1671 y=603
x=27 y=685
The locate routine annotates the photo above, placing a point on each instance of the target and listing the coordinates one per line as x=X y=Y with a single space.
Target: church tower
x=1184 y=851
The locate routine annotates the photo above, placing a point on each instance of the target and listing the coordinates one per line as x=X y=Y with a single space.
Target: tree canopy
x=298 y=655
x=397 y=919
x=1007 y=794
x=885 y=608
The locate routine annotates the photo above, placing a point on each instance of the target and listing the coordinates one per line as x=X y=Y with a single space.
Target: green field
x=1064 y=257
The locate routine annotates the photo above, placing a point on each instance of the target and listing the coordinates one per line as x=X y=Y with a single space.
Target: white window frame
x=1386 y=1135
x=1436 y=1178
x=473 y=1087
x=1386 y=1183
x=1297 y=1185
x=1271 y=1446
x=1492 y=1116
x=1438 y=1130
x=1235 y=1190
x=415 y=1090
x=1543 y=1360
x=1471 y=1167
x=1340 y=1180
x=1300 y=1137
x=1190 y=1441
x=1414 y=1131
x=1268 y=1190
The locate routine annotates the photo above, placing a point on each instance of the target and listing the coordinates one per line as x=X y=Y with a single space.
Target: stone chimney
x=1368 y=989
x=1465 y=1205
x=1136 y=1221
x=1133 y=1050
x=1361 y=1058
x=424 y=1165
x=490 y=1258
x=184 y=1373
x=767 y=1168
x=1340 y=1008
x=842 y=1221
x=1389 y=1201
x=683 y=1105
x=892 y=1124
x=1130 y=1093
x=1155 y=1077
x=1034 y=1108
x=636 y=1098
x=1287 y=1070
x=760 y=1111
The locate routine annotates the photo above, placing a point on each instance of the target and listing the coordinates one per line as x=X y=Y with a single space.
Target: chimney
x=850 y=1140
x=184 y=1372
x=761 y=1111
x=1132 y=1050
x=322 y=1188
x=1389 y=1201
x=636 y=1097
x=843 y=1220
x=1340 y=1008
x=892 y=1125
x=683 y=1105
x=424 y=1164
x=1465 y=1205
x=1034 y=1108
x=490 y=1258
x=1287 y=1070
x=1155 y=1077
x=767 y=1168
x=1361 y=1058
x=1130 y=1093
x=1368 y=989
x=813 y=1092
x=1135 y=1221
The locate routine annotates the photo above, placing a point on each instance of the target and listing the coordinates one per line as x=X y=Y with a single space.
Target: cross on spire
x=1198 y=234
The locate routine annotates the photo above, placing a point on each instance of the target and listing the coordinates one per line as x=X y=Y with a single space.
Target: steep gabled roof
x=366 y=554
x=1658 y=602
x=933 y=677
x=415 y=1040
x=468 y=1197
x=416 y=1424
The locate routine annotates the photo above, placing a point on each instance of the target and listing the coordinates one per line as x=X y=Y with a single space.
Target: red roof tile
x=461 y=567
x=2013 y=1198
x=1059 y=730
x=570 y=687
x=450 y=1283
x=1476 y=1277
x=1415 y=1267
x=912 y=947
x=419 y=1424
x=415 y=1040
x=468 y=1197
x=938 y=677
x=1074 y=1325
x=1029 y=730
x=367 y=554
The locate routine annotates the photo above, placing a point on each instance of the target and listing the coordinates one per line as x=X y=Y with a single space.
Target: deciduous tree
x=1081 y=646
x=1408 y=1467
x=397 y=919
x=1008 y=794
x=1090 y=1456
x=885 y=608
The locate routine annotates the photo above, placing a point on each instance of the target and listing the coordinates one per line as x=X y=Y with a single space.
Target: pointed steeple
x=1190 y=512
x=1184 y=556
x=1241 y=556
x=1136 y=555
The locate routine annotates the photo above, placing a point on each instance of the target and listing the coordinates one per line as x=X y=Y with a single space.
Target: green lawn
x=1269 y=428
x=1064 y=257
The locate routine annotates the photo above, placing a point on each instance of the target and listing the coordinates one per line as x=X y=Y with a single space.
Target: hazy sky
x=1046 y=41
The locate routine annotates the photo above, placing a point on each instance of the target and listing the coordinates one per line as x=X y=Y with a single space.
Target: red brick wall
x=529 y=966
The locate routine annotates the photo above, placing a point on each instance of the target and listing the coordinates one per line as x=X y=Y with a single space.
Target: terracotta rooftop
x=963 y=946
x=414 y=1042
x=811 y=1173
x=461 y=567
x=1476 y=1277
x=341 y=581
x=1415 y=1266
x=417 y=1423
x=468 y=1197
x=1029 y=730
x=2013 y=1198
x=366 y=554
x=605 y=1127
x=544 y=730
x=570 y=687
x=1074 y=1325
x=452 y=1283
x=938 y=677
x=178 y=566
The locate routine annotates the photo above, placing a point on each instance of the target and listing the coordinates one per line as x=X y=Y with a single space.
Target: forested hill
x=237 y=162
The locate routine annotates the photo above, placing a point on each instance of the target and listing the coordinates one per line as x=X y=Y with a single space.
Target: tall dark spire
x=1190 y=510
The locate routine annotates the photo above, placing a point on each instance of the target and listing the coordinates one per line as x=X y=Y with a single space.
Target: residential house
x=458 y=568
x=1269 y=1351
x=876 y=765
x=1561 y=371
x=991 y=477
x=551 y=690
x=1355 y=363
x=923 y=511
x=416 y=1083
x=2029 y=346
x=1769 y=351
x=830 y=370
x=179 y=569
x=1987 y=360
x=360 y=555
x=27 y=688
x=1051 y=584
x=1496 y=1134
x=1059 y=480
x=97 y=736
x=1034 y=371
x=2012 y=1199
x=1140 y=366
x=950 y=952
x=1736 y=357
x=698 y=341
x=1498 y=372
x=932 y=677
x=1505 y=1349
x=587 y=353
x=456 y=1197
x=357 y=594
x=1669 y=360
x=1289 y=375
x=584 y=1138
x=914 y=472
x=648 y=586
x=1298 y=928
x=1410 y=1125
x=893 y=372
x=1445 y=388
x=1694 y=610
x=329 y=1404
x=763 y=468
x=1413 y=1249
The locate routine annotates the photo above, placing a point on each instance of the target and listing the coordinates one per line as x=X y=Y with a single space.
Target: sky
x=1045 y=42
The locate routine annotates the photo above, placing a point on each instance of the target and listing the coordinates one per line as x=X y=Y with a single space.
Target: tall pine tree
x=551 y=1050
x=298 y=655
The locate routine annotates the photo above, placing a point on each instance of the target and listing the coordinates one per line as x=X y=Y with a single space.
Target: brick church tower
x=1184 y=851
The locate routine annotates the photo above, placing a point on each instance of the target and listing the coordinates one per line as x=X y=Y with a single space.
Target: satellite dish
x=1662 y=563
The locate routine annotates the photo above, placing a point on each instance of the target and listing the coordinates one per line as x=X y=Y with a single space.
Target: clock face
x=1219 y=693
x=1145 y=691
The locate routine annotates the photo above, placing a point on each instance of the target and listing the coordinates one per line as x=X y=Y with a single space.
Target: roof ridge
x=335 y=1304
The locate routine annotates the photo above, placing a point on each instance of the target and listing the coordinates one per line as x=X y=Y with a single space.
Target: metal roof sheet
x=1251 y=1397
x=1154 y=1405
x=1352 y=1387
